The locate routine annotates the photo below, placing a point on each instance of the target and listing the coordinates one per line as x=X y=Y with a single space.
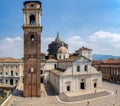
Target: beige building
x=11 y=72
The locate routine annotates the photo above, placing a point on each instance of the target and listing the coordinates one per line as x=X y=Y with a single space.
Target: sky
x=91 y=23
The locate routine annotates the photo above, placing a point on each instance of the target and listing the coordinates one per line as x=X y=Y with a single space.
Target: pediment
x=68 y=82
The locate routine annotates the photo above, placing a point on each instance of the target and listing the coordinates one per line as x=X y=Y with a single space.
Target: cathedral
x=72 y=73
x=63 y=71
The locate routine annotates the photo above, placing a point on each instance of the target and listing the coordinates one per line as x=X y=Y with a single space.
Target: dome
x=63 y=50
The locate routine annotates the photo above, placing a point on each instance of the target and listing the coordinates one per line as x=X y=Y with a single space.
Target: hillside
x=103 y=57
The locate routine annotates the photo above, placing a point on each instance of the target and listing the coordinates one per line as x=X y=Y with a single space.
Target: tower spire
x=57 y=38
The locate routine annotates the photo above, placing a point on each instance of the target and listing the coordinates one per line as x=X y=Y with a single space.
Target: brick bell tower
x=32 y=48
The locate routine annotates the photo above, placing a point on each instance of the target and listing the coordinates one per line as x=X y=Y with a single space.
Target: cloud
x=11 y=47
x=104 y=36
x=101 y=42
x=75 y=42
x=105 y=42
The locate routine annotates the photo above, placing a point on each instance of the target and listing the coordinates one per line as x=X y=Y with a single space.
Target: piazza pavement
x=108 y=97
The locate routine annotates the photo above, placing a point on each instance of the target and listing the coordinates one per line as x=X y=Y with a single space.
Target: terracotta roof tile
x=107 y=61
x=54 y=71
x=72 y=58
x=10 y=60
x=51 y=60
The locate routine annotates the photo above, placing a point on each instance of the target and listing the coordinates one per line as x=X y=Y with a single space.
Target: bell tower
x=32 y=48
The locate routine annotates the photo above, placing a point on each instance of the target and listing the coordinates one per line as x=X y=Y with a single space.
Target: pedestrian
x=88 y=103
x=116 y=92
x=95 y=91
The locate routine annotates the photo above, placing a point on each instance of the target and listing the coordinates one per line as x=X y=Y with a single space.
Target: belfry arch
x=32 y=20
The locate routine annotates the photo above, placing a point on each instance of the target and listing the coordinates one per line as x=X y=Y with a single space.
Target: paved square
x=112 y=100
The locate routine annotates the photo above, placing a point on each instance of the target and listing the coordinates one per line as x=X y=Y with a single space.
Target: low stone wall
x=7 y=101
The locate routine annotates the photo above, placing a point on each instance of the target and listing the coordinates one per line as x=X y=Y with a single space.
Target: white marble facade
x=74 y=74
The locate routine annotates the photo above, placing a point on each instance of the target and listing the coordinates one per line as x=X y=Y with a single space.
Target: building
x=54 y=46
x=73 y=73
x=49 y=64
x=69 y=74
x=109 y=68
x=32 y=48
x=62 y=53
x=84 y=52
x=46 y=66
x=11 y=72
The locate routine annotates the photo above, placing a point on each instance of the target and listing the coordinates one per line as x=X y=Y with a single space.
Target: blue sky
x=91 y=23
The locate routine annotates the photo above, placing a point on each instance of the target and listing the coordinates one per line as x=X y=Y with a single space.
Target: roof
x=83 y=48
x=54 y=71
x=36 y=1
x=57 y=39
x=112 y=60
x=57 y=71
x=97 y=62
x=9 y=60
x=6 y=86
x=72 y=58
x=51 y=60
x=107 y=61
x=63 y=50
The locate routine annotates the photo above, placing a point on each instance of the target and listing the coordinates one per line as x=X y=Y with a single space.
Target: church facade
x=74 y=73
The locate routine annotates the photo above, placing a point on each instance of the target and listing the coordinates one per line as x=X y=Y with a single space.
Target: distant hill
x=103 y=57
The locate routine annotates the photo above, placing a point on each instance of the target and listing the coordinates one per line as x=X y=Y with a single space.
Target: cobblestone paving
x=112 y=100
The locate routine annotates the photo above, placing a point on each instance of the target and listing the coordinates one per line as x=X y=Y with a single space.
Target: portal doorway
x=82 y=85
x=68 y=88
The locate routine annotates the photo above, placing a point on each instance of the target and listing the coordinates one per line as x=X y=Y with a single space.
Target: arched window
x=32 y=38
x=86 y=68
x=32 y=20
x=78 y=68
x=11 y=72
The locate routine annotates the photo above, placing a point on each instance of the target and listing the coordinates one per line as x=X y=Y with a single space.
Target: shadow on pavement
x=49 y=89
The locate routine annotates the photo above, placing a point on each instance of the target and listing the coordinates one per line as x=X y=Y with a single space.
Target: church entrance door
x=68 y=88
